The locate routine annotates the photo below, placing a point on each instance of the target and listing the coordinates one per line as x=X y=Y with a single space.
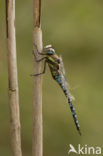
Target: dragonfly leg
x=40 y=53
x=43 y=72
x=39 y=60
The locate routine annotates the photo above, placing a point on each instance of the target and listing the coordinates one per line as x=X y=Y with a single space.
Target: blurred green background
x=75 y=29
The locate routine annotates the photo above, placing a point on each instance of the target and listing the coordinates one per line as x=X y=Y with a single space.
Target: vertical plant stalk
x=37 y=143
x=12 y=78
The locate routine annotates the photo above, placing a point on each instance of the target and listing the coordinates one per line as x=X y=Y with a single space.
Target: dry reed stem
x=12 y=79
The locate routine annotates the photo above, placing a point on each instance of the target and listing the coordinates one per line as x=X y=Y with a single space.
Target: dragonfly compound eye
x=51 y=52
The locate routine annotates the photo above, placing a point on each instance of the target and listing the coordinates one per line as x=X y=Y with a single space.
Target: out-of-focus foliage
x=75 y=29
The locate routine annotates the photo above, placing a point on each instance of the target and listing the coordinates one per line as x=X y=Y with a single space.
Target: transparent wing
x=64 y=81
x=62 y=70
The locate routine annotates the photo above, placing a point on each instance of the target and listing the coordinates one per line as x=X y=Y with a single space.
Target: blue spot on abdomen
x=58 y=79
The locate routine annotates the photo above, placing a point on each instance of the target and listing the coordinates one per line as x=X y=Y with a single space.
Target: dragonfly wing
x=64 y=81
x=62 y=71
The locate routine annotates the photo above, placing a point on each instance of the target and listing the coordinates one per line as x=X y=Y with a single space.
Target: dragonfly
x=56 y=66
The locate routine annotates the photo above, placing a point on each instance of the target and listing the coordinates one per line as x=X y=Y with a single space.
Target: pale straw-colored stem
x=37 y=139
x=12 y=79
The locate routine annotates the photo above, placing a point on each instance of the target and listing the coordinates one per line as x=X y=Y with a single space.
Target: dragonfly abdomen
x=74 y=114
x=59 y=80
x=65 y=90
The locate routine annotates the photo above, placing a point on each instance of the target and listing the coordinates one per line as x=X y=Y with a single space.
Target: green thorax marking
x=53 y=62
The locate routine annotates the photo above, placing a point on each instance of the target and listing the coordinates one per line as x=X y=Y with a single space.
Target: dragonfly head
x=49 y=50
